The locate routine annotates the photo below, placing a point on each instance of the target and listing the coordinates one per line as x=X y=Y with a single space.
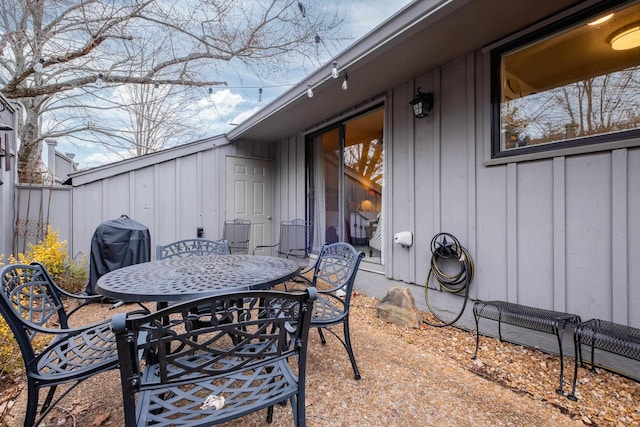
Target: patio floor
x=409 y=377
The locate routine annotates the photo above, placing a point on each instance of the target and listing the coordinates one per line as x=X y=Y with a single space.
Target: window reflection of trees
x=598 y=105
x=365 y=158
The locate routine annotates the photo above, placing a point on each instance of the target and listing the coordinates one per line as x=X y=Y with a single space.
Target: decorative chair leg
x=322 y=339
x=299 y=415
x=32 y=406
x=347 y=344
x=47 y=401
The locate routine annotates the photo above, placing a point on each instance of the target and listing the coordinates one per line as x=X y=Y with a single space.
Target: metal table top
x=182 y=279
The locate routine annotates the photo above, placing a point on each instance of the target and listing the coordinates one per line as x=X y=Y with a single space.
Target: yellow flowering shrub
x=52 y=253
x=68 y=274
x=10 y=359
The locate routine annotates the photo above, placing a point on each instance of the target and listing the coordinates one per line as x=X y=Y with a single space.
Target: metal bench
x=548 y=321
x=607 y=336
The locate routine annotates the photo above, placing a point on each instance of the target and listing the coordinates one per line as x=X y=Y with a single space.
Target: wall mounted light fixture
x=422 y=104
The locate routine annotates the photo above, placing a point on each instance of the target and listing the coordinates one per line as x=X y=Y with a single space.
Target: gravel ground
x=419 y=377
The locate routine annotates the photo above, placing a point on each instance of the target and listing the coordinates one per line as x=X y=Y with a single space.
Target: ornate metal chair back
x=239 y=363
x=192 y=247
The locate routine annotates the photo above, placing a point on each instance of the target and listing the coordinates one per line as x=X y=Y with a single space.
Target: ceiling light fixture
x=334 y=70
x=309 y=90
x=626 y=38
x=601 y=20
x=345 y=85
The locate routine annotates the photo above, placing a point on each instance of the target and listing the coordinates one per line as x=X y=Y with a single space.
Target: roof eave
x=403 y=23
x=423 y=36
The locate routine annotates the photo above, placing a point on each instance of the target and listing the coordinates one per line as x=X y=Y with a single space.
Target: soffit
x=455 y=29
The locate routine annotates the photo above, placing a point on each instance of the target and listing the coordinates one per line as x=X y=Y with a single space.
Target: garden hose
x=447 y=251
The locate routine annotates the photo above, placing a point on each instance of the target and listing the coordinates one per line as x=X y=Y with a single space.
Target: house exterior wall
x=289 y=182
x=171 y=198
x=8 y=177
x=557 y=233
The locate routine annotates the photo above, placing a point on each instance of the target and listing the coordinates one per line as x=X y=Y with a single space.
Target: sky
x=224 y=108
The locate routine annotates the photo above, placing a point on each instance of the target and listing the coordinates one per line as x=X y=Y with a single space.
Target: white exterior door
x=249 y=196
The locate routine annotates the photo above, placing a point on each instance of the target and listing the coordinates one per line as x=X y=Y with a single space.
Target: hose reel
x=453 y=269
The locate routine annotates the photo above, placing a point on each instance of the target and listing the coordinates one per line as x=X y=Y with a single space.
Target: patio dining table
x=183 y=279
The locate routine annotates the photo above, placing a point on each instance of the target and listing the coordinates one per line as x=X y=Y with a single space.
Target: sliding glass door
x=345 y=175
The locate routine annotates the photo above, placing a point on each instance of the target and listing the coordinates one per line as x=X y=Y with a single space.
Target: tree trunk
x=30 y=153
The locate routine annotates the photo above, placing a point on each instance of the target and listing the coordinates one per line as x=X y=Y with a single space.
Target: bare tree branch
x=54 y=50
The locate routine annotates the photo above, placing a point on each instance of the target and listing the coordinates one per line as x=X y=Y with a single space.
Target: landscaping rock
x=399 y=307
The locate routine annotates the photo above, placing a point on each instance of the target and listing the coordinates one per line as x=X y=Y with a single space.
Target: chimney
x=74 y=165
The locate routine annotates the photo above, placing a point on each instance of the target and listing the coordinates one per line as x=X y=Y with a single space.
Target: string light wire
x=335 y=72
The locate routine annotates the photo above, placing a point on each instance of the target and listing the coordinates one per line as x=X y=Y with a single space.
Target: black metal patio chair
x=334 y=274
x=192 y=247
x=237 y=232
x=296 y=240
x=53 y=352
x=251 y=356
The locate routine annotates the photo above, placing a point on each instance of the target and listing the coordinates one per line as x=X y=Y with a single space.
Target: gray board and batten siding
x=172 y=192
x=557 y=233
